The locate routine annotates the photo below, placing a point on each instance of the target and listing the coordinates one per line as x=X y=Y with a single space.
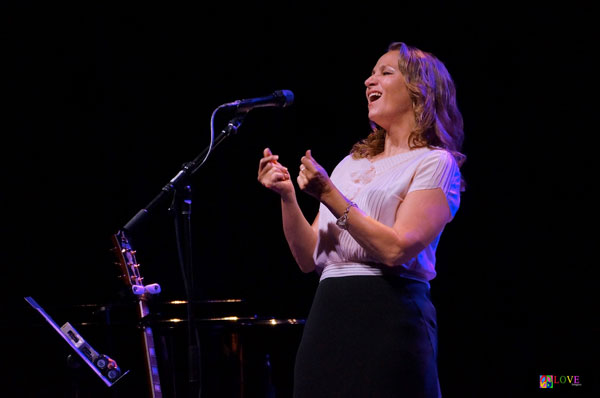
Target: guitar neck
x=150 y=354
x=131 y=274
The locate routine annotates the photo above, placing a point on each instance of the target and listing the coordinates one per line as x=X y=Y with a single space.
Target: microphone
x=280 y=98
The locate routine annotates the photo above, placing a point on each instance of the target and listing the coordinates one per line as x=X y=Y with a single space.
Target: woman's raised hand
x=274 y=175
x=313 y=178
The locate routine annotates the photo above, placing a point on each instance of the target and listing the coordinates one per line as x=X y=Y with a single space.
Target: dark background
x=105 y=101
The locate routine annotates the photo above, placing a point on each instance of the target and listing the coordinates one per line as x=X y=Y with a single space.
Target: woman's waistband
x=339 y=270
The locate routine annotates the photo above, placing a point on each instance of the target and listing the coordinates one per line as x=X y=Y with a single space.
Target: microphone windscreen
x=287 y=95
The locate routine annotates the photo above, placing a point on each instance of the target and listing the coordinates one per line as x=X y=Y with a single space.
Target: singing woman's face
x=387 y=94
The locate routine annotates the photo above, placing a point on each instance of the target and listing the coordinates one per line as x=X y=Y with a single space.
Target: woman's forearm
x=419 y=220
x=300 y=235
x=379 y=240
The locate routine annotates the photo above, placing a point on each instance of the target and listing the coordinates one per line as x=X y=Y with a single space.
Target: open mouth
x=374 y=96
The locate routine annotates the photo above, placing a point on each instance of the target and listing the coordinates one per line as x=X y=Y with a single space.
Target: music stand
x=101 y=365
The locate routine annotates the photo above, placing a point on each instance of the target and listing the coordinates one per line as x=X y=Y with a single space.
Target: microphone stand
x=181 y=208
x=188 y=170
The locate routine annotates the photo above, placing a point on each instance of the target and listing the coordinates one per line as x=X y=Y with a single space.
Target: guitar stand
x=102 y=365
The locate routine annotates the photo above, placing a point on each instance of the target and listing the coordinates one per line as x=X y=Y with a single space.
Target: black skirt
x=368 y=336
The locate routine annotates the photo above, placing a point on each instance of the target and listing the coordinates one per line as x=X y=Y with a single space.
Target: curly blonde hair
x=439 y=122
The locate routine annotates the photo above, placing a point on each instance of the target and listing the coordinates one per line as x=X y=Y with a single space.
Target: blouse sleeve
x=439 y=170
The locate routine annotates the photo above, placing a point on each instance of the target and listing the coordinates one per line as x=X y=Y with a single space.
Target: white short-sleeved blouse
x=378 y=188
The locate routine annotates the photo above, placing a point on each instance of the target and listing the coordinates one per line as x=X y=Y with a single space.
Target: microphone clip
x=234 y=124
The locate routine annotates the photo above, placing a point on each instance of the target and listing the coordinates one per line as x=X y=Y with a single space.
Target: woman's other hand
x=274 y=175
x=313 y=178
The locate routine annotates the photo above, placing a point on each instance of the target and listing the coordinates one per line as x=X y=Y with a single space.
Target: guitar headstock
x=130 y=268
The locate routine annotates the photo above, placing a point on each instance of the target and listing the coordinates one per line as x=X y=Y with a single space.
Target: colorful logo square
x=546 y=381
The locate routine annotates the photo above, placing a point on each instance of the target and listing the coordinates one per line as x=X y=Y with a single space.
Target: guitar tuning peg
x=153 y=288
x=137 y=290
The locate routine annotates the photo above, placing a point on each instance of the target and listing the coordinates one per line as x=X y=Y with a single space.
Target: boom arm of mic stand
x=188 y=170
